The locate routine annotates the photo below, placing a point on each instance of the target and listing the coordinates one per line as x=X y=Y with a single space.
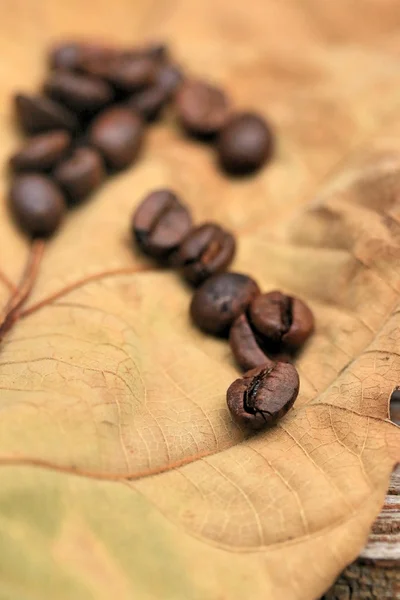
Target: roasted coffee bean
x=275 y=326
x=37 y=113
x=81 y=93
x=157 y=51
x=65 y=55
x=37 y=204
x=118 y=134
x=220 y=300
x=69 y=55
x=202 y=108
x=150 y=101
x=132 y=73
x=96 y=67
x=281 y=319
x=41 y=152
x=80 y=174
x=169 y=78
x=245 y=346
x=263 y=395
x=206 y=250
x=160 y=223
x=244 y=143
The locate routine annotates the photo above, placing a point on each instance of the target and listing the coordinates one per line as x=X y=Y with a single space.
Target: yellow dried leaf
x=122 y=472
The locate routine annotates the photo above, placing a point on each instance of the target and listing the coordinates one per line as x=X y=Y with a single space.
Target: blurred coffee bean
x=80 y=174
x=37 y=113
x=160 y=223
x=132 y=73
x=69 y=55
x=202 y=108
x=79 y=92
x=150 y=101
x=37 y=204
x=118 y=134
x=157 y=51
x=41 y=152
x=244 y=143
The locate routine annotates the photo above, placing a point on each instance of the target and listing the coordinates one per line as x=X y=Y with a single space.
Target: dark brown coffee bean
x=41 y=152
x=245 y=346
x=206 y=250
x=65 y=55
x=69 y=55
x=281 y=319
x=36 y=114
x=160 y=223
x=202 y=108
x=263 y=395
x=132 y=73
x=98 y=64
x=118 y=134
x=244 y=143
x=220 y=300
x=169 y=78
x=81 y=173
x=275 y=326
x=150 y=101
x=157 y=51
x=37 y=204
x=81 y=93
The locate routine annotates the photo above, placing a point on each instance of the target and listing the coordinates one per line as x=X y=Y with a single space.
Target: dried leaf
x=122 y=472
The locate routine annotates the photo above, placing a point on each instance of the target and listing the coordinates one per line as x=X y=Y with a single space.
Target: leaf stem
x=12 y=310
x=81 y=282
x=4 y=279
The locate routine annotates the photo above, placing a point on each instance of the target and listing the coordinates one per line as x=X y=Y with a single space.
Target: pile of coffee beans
x=90 y=121
x=265 y=330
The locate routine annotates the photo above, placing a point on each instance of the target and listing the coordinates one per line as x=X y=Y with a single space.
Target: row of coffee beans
x=265 y=330
x=90 y=120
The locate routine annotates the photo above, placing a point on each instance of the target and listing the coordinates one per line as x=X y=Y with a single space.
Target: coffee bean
x=65 y=55
x=37 y=204
x=281 y=319
x=157 y=51
x=70 y=55
x=220 y=300
x=263 y=395
x=81 y=93
x=36 y=114
x=81 y=173
x=169 y=78
x=98 y=64
x=41 y=152
x=245 y=346
x=150 y=101
x=117 y=133
x=202 y=108
x=206 y=250
x=275 y=326
x=160 y=223
x=244 y=143
x=132 y=73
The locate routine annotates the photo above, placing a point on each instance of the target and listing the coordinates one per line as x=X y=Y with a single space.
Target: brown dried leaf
x=122 y=470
